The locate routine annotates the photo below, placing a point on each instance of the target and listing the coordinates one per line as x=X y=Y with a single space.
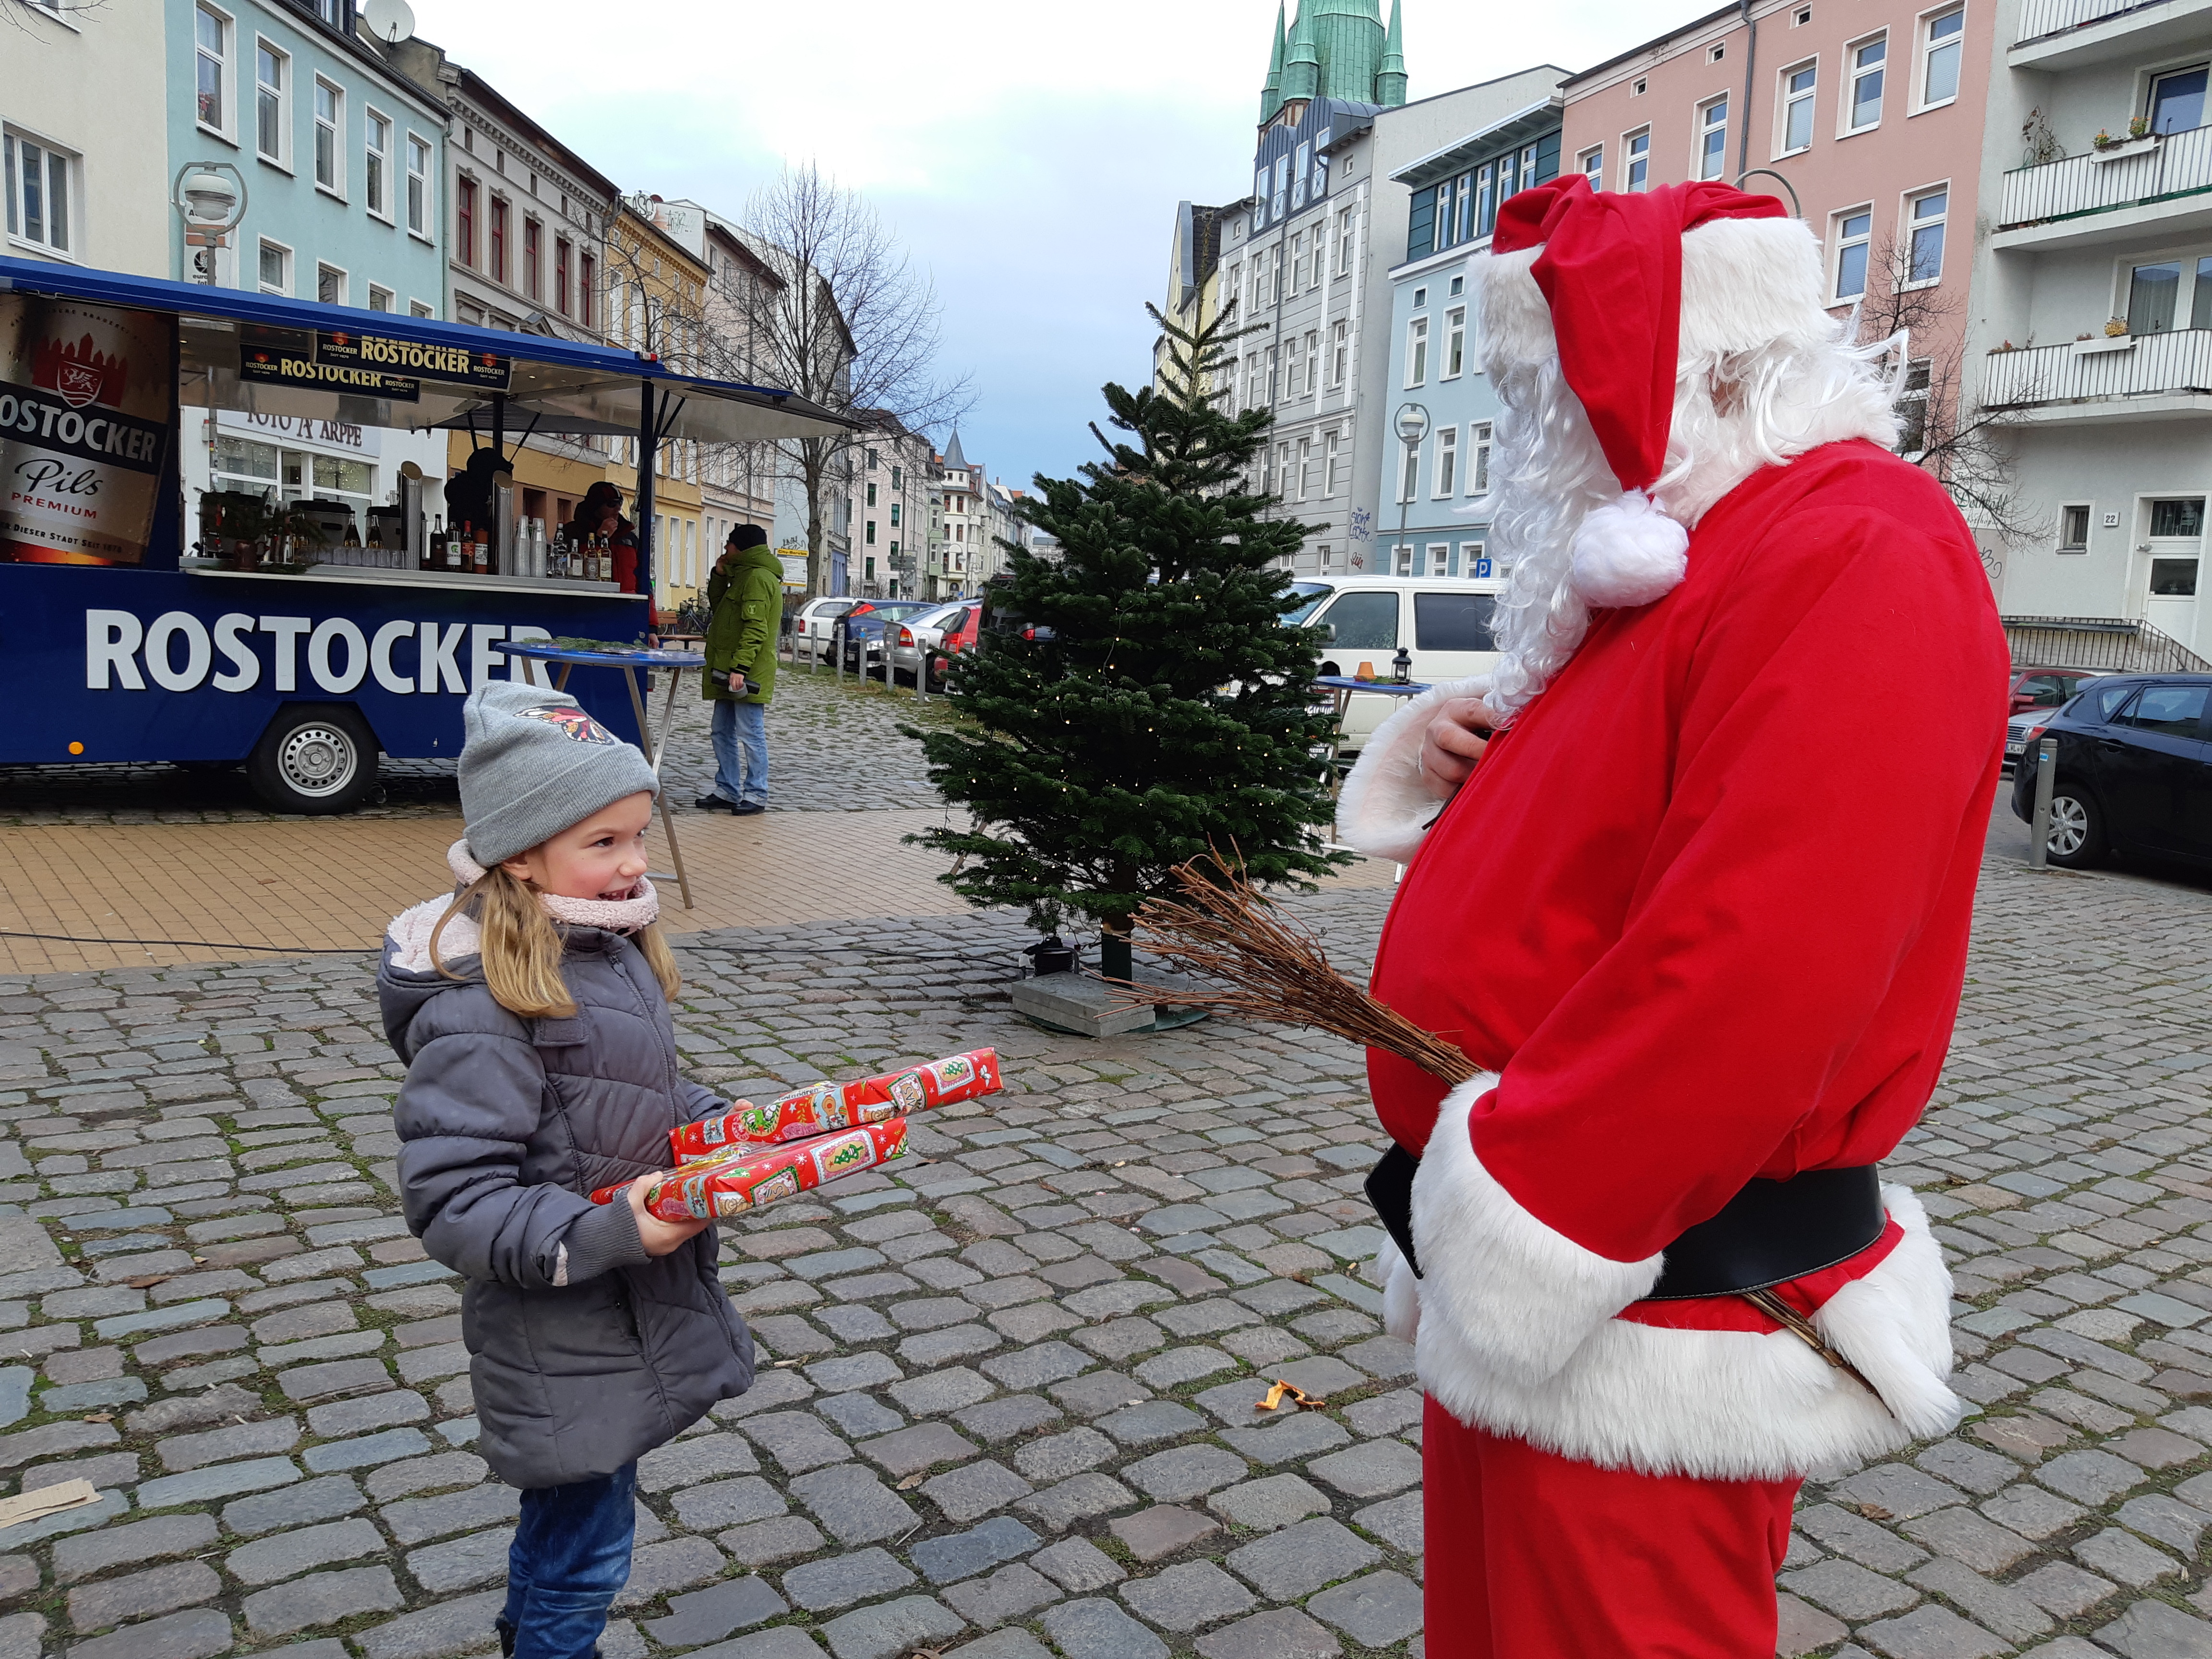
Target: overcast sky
x=1029 y=152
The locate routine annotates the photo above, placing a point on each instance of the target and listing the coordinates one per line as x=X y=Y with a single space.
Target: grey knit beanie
x=533 y=763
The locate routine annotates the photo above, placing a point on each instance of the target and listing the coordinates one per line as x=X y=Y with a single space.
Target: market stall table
x=1340 y=687
x=629 y=662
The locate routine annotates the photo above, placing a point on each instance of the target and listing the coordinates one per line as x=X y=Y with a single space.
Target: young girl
x=531 y=1009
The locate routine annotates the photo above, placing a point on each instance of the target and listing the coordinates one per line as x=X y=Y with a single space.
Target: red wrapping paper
x=823 y=1108
x=742 y=1178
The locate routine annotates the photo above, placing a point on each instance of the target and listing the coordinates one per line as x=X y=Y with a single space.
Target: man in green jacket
x=745 y=598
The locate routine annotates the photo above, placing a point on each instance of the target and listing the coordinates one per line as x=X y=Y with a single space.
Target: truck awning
x=565 y=388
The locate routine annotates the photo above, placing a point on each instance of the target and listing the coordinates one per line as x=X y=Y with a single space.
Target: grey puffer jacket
x=584 y=1351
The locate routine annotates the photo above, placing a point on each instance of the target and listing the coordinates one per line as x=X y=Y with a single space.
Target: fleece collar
x=411 y=930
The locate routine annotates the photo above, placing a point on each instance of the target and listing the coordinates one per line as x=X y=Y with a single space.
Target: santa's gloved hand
x=1452 y=744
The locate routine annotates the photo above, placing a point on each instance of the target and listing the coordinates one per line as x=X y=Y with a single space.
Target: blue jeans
x=741 y=750
x=570 y=1556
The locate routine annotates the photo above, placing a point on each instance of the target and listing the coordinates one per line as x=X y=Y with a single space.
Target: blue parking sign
x=1481 y=568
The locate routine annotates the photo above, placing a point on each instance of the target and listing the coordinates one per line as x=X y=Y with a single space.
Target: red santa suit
x=1697 y=932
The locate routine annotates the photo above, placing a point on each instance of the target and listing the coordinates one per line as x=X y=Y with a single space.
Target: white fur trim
x=1385 y=807
x=1715 y=1405
x=409 y=936
x=1401 y=1293
x=1501 y=1294
x=1628 y=553
x=625 y=915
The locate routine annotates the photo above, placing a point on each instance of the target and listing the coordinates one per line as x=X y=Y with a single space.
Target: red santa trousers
x=1531 y=1555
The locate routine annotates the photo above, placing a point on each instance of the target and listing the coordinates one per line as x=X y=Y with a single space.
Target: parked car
x=2134 y=772
x=935 y=637
x=813 y=625
x=2048 y=688
x=1443 y=622
x=865 y=626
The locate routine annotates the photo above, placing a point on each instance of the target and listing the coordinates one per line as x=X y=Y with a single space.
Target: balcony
x=2164 y=186
x=2144 y=377
x=2066 y=34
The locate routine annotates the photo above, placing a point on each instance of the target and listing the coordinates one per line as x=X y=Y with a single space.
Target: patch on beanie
x=574 y=723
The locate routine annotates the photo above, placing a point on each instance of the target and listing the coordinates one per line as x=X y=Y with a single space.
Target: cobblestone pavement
x=1007 y=1393
x=832 y=746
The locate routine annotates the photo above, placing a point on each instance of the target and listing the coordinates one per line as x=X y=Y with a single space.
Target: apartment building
x=895 y=476
x=1432 y=519
x=1866 y=116
x=1193 y=294
x=2092 y=327
x=85 y=177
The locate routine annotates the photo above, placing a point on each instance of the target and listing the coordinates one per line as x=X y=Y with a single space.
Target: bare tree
x=849 y=325
x=18 y=12
x=1948 y=430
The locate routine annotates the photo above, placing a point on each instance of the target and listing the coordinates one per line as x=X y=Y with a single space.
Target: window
x=329 y=106
x=1282 y=184
x=870 y=538
x=1637 y=89
x=2177 y=100
x=1447 y=479
x=1942 y=39
x=586 y=286
x=872 y=494
x=499 y=239
x=1854 y=234
x=1712 y=139
x=897 y=472
x=330 y=285
x=532 y=230
x=1478 y=457
x=269 y=67
x=1863 y=109
x=39 y=193
x=1344 y=243
x=1304 y=474
x=1417 y=352
x=1313 y=360
x=1471 y=555
x=1593 y=166
x=1420 y=298
x=1454 y=621
x=2200 y=296
x=2182 y=516
x=2154 y=293
x=1912 y=407
x=379 y=299
x=1800 y=17
x=464 y=221
x=1404 y=560
x=1409 y=483
x=1927 y=217
x=561 y=273
x=2074 y=529
x=1715 y=52
x=895 y=506
x=275 y=269
x=1331 y=478
x=1299 y=167
x=2175 y=710
x=1364 y=622
x=212 y=31
x=1797 y=108
x=1636 y=174
x=418 y=185
x=1455 y=342
x=416 y=308
x=376 y=158
x=1297 y=262
x=1439 y=559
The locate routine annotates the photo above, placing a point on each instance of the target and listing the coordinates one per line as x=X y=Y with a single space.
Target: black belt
x=1770 y=1232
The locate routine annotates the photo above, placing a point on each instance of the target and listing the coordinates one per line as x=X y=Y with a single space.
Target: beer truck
x=287 y=618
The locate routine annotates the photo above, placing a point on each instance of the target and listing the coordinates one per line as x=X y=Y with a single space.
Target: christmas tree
x=1151 y=704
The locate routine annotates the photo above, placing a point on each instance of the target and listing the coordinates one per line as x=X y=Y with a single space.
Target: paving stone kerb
x=1006 y=1391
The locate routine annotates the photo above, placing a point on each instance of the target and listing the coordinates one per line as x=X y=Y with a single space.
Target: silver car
x=913 y=640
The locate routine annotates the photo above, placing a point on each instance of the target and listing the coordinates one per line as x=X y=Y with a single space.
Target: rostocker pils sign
x=369 y=365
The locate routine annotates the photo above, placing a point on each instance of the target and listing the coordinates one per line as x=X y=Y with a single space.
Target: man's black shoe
x=745 y=808
x=715 y=804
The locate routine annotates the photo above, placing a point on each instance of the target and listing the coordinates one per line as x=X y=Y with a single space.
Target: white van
x=1443 y=623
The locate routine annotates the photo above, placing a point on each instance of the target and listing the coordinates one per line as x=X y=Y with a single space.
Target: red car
x=2046 y=688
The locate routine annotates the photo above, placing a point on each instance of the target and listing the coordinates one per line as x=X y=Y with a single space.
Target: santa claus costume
x=1706 y=939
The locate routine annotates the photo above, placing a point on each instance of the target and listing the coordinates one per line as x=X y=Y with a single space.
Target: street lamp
x=1413 y=426
x=211 y=206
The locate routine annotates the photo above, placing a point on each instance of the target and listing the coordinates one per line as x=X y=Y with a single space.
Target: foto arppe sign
x=87 y=404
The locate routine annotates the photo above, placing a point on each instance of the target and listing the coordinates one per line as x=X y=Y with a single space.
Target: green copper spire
x=1271 y=96
x=1302 y=77
x=1390 y=78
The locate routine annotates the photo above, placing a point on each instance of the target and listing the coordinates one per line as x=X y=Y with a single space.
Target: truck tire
x=315 y=758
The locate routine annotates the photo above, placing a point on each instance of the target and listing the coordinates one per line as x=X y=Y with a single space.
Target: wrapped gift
x=741 y=1178
x=824 y=1108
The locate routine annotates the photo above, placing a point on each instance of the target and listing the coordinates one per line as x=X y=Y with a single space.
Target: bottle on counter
x=454 y=544
x=482 y=565
x=603 y=567
x=434 y=549
x=352 y=539
x=375 y=543
x=556 y=560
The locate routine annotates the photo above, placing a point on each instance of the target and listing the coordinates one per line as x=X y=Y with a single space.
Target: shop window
x=1712 y=138
x=40 y=194
x=1868 y=62
x=375 y=164
x=1854 y=236
x=418 y=185
x=271 y=83
x=1943 y=38
x=212 y=35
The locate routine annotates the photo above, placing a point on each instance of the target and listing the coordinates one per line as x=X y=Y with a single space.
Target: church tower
x=1336 y=49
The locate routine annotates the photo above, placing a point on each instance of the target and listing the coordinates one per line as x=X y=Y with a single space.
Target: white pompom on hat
x=1610 y=269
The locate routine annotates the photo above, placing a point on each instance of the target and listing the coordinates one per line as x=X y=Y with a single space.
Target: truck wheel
x=314 y=760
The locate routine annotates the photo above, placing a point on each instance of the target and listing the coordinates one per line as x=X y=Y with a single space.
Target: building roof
x=1530 y=122
x=953 y=458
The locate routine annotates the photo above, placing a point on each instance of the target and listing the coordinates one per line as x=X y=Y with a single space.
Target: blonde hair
x=522 y=948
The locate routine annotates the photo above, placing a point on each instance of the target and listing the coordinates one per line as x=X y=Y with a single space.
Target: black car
x=2134 y=771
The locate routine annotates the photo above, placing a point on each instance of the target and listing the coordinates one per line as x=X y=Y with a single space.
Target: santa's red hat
x=1609 y=267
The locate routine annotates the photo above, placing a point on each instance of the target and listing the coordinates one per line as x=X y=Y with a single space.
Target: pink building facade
x=1871 y=110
